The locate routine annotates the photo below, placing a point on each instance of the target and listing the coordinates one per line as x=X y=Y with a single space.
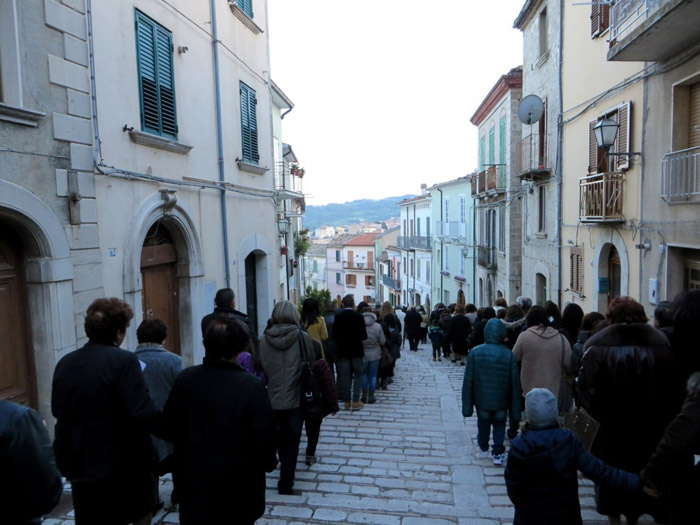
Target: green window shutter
x=249 y=124
x=502 y=141
x=482 y=153
x=247 y=7
x=492 y=146
x=154 y=54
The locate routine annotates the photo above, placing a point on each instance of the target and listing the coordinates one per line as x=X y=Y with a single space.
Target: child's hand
x=652 y=492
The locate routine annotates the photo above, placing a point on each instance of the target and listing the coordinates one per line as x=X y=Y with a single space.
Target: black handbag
x=310 y=400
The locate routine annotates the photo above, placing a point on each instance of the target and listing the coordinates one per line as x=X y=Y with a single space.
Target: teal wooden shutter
x=249 y=124
x=482 y=153
x=502 y=141
x=154 y=55
x=492 y=146
x=246 y=6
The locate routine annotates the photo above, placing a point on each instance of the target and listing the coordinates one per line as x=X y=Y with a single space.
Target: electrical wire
x=10 y=150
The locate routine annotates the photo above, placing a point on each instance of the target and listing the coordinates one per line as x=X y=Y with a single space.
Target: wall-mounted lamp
x=182 y=49
x=283 y=226
x=606 y=133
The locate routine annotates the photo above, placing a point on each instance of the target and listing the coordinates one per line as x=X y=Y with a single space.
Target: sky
x=384 y=90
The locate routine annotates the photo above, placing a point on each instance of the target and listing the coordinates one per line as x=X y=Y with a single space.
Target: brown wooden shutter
x=595 y=19
x=694 y=120
x=576 y=276
x=622 y=143
x=592 y=148
x=604 y=16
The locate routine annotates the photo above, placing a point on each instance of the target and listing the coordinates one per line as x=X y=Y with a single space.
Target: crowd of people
x=125 y=418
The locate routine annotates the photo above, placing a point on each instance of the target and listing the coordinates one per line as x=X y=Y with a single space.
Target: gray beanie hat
x=541 y=408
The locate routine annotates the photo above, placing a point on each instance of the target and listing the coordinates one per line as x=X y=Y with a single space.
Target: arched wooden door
x=17 y=378
x=160 y=286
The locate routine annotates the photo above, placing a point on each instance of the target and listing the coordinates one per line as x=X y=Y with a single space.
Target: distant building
x=358 y=264
x=387 y=280
x=415 y=243
x=315 y=262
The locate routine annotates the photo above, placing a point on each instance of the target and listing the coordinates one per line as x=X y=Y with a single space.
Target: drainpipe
x=560 y=139
x=220 y=140
x=442 y=244
x=474 y=254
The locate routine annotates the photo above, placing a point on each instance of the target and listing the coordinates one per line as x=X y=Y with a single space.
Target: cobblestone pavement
x=408 y=459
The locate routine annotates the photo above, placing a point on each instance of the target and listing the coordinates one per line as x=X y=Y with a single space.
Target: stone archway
x=259 y=247
x=48 y=274
x=601 y=269
x=165 y=210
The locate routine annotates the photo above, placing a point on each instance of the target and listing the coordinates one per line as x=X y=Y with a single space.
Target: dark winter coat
x=412 y=323
x=627 y=382
x=461 y=327
x=232 y=313
x=542 y=481
x=577 y=348
x=104 y=420
x=348 y=332
x=221 y=422
x=30 y=485
x=476 y=335
x=491 y=378
x=281 y=357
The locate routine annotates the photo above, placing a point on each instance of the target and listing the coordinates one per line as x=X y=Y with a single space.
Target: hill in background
x=363 y=210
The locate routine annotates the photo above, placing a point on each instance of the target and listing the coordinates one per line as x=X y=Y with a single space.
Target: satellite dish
x=530 y=109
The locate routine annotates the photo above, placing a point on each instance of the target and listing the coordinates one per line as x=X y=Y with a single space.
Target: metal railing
x=531 y=154
x=625 y=15
x=600 y=198
x=452 y=229
x=391 y=282
x=358 y=265
x=413 y=241
x=285 y=179
x=486 y=257
x=680 y=175
x=491 y=179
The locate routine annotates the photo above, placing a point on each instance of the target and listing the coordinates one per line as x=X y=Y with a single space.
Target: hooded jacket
x=539 y=349
x=375 y=338
x=281 y=358
x=491 y=379
x=541 y=476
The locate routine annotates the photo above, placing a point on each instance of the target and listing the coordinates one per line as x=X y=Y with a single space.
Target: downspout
x=220 y=141
x=474 y=249
x=560 y=139
x=414 y=257
x=442 y=244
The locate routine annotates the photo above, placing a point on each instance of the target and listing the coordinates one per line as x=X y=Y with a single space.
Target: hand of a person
x=652 y=492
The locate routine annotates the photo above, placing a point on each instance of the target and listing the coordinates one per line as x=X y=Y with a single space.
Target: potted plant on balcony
x=297 y=170
x=284 y=250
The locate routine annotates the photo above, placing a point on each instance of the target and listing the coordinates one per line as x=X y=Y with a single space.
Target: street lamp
x=606 y=133
x=283 y=226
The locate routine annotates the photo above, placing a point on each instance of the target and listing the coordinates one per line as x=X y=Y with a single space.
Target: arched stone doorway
x=460 y=297
x=160 y=294
x=254 y=278
x=540 y=289
x=611 y=273
x=17 y=377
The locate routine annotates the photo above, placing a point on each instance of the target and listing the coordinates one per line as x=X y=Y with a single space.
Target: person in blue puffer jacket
x=492 y=384
x=541 y=473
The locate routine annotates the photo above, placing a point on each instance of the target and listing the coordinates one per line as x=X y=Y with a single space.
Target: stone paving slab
x=406 y=460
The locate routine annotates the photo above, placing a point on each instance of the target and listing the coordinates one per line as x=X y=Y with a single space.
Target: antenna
x=530 y=109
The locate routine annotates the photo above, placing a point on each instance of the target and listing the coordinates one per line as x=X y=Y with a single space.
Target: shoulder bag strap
x=563 y=370
x=302 y=348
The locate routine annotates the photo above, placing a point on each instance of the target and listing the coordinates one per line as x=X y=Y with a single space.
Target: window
x=576 y=275
x=502 y=228
x=412 y=265
x=461 y=263
x=315 y=266
x=492 y=146
x=543 y=31
x=418 y=226
x=411 y=227
x=405 y=230
x=600 y=18
x=404 y=263
x=427 y=272
x=351 y=279
x=337 y=278
x=446 y=296
x=246 y=6
x=10 y=73
x=597 y=161
x=154 y=57
x=337 y=256
x=482 y=153
x=462 y=209
x=502 y=142
x=369 y=281
x=447 y=211
x=542 y=209
x=249 y=124
x=418 y=265
x=447 y=258
x=427 y=228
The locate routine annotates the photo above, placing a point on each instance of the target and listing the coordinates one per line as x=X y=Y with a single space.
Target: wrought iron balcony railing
x=391 y=282
x=486 y=257
x=285 y=180
x=680 y=176
x=600 y=198
x=358 y=265
x=491 y=180
x=413 y=242
x=452 y=229
x=531 y=157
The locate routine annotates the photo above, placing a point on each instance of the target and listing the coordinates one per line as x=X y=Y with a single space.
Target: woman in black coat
x=220 y=419
x=104 y=417
x=461 y=327
x=628 y=383
x=412 y=330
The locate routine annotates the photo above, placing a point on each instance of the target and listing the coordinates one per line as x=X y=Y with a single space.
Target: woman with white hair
x=283 y=347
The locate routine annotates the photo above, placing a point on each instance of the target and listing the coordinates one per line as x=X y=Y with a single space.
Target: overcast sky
x=384 y=90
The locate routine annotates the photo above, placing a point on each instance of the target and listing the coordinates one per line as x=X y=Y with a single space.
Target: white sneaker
x=498 y=459
x=482 y=454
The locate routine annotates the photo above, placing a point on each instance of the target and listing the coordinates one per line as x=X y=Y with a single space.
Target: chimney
x=423 y=189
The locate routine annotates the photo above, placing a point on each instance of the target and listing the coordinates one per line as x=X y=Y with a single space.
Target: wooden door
x=17 y=382
x=351 y=259
x=614 y=274
x=160 y=290
x=251 y=291
x=370 y=260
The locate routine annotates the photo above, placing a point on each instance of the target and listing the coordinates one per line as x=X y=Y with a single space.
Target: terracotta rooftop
x=365 y=239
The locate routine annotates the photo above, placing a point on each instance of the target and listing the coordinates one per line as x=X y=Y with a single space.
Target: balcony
x=652 y=30
x=680 y=176
x=489 y=182
x=413 y=242
x=486 y=257
x=451 y=230
x=531 y=158
x=358 y=265
x=288 y=184
x=390 y=282
x=600 y=198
